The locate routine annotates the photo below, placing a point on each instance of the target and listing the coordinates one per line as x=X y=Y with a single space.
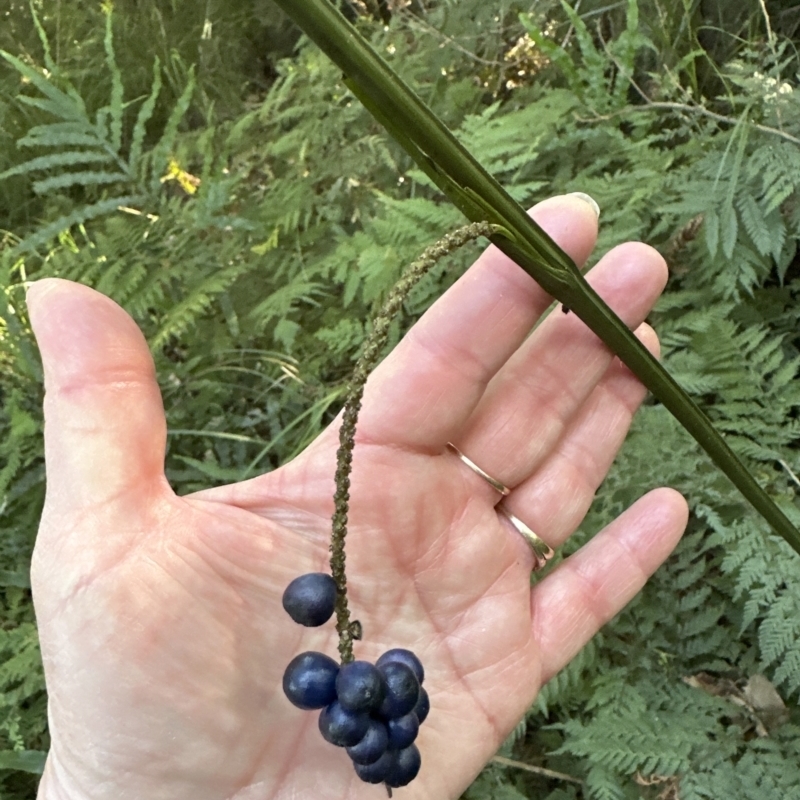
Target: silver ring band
x=493 y=482
x=542 y=551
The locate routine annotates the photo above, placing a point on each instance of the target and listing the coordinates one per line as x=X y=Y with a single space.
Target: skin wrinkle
x=465 y=675
x=584 y=573
x=472 y=370
x=129 y=378
x=639 y=262
x=447 y=636
x=99 y=568
x=619 y=389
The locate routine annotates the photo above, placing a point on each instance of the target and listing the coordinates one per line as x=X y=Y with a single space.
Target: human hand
x=160 y=618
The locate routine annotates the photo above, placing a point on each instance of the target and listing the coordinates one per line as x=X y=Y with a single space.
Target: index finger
x=424 y=392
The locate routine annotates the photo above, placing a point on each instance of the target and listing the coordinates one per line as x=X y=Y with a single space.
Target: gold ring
x=493 y=482
x=541 y=550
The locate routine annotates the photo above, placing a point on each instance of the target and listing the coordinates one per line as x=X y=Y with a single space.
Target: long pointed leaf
x=481 y=198
x=116 y=107
x=70 y=106
x=57 y=160
x=83 y=178
x=23 y=760
x=143 y=117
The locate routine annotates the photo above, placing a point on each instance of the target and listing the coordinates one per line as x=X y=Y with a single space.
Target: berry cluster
x=372 y=710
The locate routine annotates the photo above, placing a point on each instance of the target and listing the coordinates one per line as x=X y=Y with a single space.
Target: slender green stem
x=480 y=197
x=355 y=391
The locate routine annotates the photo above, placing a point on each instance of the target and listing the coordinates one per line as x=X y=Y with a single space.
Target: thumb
x=105 y=431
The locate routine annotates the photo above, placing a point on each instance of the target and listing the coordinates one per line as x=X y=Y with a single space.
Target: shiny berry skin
x=359 y=686
x=402 y=731
x=378 y=770
x=310 y=680
x=405 y=767
x=310 y=599
x=404 y=657
x=342 y=727
x=402 y=690
x=372 y=746
x=423 y=706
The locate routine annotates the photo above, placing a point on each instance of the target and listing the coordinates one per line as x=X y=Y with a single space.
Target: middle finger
x=530 y=402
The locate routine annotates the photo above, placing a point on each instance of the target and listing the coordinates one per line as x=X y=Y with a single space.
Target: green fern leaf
x=143 y=117
x=67 y=159
x=116 y=107
x=162 y=151
x=84 y=178
x=67 y=106
x=62 y=138
x=754 y=222
x=77 y=217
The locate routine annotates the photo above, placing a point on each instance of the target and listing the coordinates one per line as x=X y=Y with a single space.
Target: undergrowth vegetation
x=250 y=216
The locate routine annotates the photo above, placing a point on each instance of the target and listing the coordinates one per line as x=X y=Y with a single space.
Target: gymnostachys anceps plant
x=374 y=711
x=481 y=199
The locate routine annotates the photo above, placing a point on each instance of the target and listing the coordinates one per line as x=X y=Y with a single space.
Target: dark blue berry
x=404 y=657
x=402 y=690
x=378 y=770
x=359 y=686
x=402 y=731
x=310 y=599
x=423 y=706
x=372 y=746
x=405 y=767
x=310 y=680
x=342 y=727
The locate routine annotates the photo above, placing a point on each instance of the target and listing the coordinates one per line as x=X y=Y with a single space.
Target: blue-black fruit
x=359 y=686
x=310 y=599
x=402 y=731
x=402 y=690
x=423 y=706
x=405 y=767
x=342 y=727
x=372 y=746
x=404 y=657
x=310 y=680
x=378 y=770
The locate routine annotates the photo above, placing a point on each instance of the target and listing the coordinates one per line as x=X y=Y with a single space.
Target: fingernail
x=587 y=199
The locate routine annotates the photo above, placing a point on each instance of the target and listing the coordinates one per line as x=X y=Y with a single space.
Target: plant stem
x=480 y=197
x=352 y=405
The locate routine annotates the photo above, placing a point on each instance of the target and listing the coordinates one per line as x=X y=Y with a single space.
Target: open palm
x=162 y=631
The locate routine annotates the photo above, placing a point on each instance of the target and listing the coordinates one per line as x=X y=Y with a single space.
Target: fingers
x=532 y=399
x=595 y=584
x=423 y=393
x=556 y=497
x=105 y=430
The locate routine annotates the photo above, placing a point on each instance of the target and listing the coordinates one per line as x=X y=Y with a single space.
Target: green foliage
x=286 y=221
x=74 y=139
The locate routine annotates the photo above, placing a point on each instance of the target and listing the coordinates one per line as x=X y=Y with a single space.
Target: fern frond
x=116 y=102
x=82 y=178
x=65 y=105
x=143 y=117
x=159 y=158
x=68 y=159
x=77 y=217
x=80 y=136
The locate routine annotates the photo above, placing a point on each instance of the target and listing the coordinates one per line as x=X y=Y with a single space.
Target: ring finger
x=556 y=497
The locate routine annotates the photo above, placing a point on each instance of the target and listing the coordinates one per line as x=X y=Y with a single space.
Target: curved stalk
x=481 y=198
